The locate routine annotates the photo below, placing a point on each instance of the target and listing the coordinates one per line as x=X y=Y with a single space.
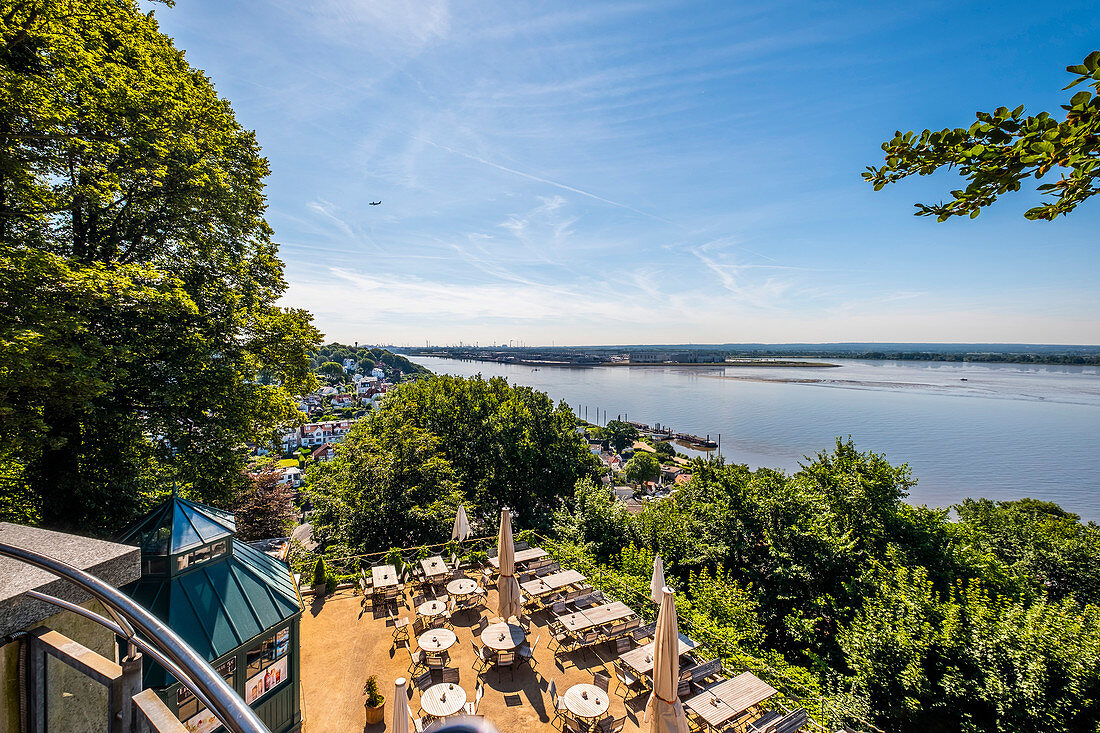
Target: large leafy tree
x=1036 y=546
x=509 y=445
x=643 y=466
x=965 y=659
x=388 y=486
x=1003 y=148
x=622 y=434
x=132 y=208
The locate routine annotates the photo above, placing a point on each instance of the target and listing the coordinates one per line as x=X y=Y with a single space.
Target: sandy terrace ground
x=342 y=644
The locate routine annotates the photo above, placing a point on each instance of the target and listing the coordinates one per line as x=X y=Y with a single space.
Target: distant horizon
x=956 y=345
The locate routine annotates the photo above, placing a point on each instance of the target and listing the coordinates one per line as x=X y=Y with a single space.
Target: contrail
x=548 y=182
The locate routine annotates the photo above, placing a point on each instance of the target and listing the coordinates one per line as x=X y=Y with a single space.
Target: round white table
x=503 y=637
x=431 y=608
x=442 y=700
x=437 y=641
x=586 y=701
x=461 y=587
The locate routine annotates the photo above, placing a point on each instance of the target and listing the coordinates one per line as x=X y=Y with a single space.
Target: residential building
x=325 y=452
x=314 y=434
x=366 y=384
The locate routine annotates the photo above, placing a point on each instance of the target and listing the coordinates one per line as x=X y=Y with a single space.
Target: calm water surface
x=1005 y=432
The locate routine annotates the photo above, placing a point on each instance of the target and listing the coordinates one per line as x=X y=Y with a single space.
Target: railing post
x=130 y=686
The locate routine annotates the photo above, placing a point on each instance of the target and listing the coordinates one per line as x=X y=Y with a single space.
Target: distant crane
x=375 y=203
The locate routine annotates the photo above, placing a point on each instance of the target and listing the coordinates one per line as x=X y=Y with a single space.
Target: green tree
x=132 y=201
x=643 y=466
x=331 y=369
x=664 y=449
x=622 y=434
x=594 y=519
x=509 y=445
x=1001 y=149
x=1042 y=548
x=264 y=506
x=967 y=660
x=387 y=486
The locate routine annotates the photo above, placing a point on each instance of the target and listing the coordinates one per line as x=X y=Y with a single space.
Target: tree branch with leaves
x=1003 y=148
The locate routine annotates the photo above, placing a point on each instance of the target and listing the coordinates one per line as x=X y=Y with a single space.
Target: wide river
x=1001 y=431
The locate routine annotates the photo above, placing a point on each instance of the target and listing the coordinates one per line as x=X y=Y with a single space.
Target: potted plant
x=320 y=581
x=376 y=704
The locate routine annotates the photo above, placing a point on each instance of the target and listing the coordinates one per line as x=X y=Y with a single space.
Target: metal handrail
x=184 y=662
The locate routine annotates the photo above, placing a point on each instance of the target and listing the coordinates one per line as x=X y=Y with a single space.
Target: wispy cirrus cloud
x=655 y=171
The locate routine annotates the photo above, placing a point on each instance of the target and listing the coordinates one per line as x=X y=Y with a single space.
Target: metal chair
x=560 y=711
x=611 y=725
x=471 y=707
x=416 y=660
x=506 y=659
x=483 y=657
x=451 y=675
x=423 y=682
x=527 y=652
x=601 y=679
x=400 y=630
x=627 y=679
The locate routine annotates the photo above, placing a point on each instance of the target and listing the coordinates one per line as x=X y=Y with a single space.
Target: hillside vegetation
x=894 y=613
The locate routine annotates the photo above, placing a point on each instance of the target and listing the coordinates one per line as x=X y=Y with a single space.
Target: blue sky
x=646 y=172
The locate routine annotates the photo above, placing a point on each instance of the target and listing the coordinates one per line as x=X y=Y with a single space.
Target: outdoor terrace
x=348 y=636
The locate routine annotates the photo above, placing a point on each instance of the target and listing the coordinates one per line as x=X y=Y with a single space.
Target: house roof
x=219 y=606
x=177 y=525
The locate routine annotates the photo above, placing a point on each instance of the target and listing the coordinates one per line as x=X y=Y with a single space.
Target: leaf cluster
x=1002 y=148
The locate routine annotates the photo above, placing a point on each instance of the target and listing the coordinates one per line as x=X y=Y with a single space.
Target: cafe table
x=552 y=582
x=384 y=576
x=503 y=636
x=434 y=567
x=591 y=617
x=431 y=608
x=443 y=699
x=641 y=659
x=461 y=587
x=743 y=691
x=586 y=701
x=522 y=556
x=436 y=641
x=708 y=706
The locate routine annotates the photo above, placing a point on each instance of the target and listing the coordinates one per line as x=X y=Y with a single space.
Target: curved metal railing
x=128 y=619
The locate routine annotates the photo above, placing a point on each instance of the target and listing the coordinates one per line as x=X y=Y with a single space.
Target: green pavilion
x=232 y=603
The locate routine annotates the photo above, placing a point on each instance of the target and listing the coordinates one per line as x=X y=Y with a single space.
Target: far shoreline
x=780 y=363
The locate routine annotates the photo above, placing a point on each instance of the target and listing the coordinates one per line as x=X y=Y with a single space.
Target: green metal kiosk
x=232 y=603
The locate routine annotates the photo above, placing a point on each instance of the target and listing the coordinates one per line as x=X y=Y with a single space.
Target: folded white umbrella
x=664 y=711
x=461 y=529
x=508 y=603
x=401 y=713
x=657 y=583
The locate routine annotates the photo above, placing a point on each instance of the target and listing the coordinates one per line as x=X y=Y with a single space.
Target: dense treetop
x=444 y=440
x=366 y=358
x=895 y=613
x=139 y=276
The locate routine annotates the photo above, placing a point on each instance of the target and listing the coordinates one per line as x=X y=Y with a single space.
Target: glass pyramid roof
x=178 y=525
